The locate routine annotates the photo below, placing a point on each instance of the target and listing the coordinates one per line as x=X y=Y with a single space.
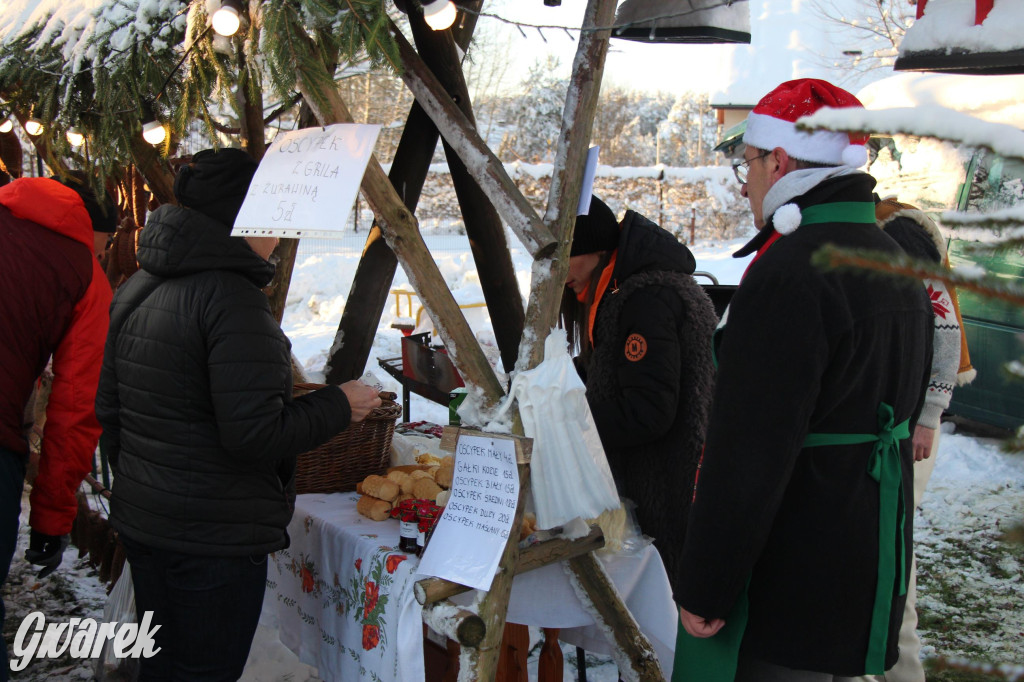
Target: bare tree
x=865 y=34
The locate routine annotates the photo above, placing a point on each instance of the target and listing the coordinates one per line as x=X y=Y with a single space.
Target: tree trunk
x=154 y=169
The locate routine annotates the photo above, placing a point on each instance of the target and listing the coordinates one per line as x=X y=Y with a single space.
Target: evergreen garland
x=101 y=73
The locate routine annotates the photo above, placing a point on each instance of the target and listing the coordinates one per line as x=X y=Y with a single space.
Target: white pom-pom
x=787 y=219
x=855 y=155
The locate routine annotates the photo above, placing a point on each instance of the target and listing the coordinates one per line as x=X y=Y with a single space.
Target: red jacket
x=54 y=300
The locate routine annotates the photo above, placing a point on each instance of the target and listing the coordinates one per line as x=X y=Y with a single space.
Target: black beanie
x=215 y=182
x=103 y=215
x=596 y=231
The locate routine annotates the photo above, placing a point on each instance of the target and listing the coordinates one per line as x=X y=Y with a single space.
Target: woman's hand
x=361 y=399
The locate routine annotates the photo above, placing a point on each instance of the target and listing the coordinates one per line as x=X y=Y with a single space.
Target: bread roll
x=373 y=508
x=403 y=480
x=445 y=474
x=380 y=487
x=425 y=489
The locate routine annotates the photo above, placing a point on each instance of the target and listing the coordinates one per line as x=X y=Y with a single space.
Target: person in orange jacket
x=54 y=301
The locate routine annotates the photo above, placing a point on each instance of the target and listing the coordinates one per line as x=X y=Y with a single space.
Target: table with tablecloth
x=341 y=596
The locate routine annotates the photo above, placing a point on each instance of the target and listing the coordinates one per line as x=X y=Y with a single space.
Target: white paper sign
x=470 y=536
x=587 y=190
x=307 y=182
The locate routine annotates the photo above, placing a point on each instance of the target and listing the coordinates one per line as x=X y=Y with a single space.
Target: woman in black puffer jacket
x=200 y=426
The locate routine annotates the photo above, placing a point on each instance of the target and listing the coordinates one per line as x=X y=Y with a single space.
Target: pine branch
x=830 y=257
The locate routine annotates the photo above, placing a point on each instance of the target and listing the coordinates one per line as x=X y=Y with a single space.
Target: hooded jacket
x=650 y=378
x=54 y=301
x=195 y=397
x=809 y=350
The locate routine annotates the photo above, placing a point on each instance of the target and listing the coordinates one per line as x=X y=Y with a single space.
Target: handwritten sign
x=307 y=182
x=470 y=536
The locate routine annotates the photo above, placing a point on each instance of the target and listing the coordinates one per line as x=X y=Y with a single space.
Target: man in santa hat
x=799 y=540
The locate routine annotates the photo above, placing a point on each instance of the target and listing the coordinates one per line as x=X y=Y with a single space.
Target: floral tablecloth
x=342 y=594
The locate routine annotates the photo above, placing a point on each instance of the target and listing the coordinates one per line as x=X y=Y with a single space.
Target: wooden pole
x=376 y=269
x=632 y=651
x=483 y=224
x=549 y=270
x=473 y=151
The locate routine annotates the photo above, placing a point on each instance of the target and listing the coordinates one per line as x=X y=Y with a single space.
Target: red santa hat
x=772 y=123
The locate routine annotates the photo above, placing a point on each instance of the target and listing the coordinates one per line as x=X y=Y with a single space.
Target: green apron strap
x=712 y=659
x=884 y=467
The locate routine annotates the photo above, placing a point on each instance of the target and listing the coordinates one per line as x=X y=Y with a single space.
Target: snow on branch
x=1003 y=218
x=922 y=121
x=975 y=280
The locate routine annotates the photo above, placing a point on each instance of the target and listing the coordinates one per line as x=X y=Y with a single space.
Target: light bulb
x=440 y=14
x=6 y=125
x=226 y=20
x=153 y=132
x=34 y=127
x=75 y=137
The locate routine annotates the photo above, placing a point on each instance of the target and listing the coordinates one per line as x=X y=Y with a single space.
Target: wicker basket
x=362 y=449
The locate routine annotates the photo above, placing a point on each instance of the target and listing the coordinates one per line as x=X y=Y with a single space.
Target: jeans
x=207 y=608
x=12 y=481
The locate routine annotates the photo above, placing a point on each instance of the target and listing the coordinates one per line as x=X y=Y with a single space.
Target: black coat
x=195 y=396
x=806 y=350
x=650 y=378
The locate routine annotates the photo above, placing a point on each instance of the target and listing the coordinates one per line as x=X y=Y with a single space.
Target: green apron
x=714 y=659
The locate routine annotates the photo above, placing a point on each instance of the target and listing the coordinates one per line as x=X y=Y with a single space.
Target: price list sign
x=470 y=536
x=307 y=182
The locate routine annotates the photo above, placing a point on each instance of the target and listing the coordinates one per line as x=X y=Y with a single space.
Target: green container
x=455 y=399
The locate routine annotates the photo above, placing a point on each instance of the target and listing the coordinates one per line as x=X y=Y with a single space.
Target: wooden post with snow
x=548 y=241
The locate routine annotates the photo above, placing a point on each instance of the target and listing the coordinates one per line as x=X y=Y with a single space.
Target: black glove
x=46 y=551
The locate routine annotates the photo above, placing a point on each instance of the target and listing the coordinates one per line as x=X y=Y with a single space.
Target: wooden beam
x=376 y=269
x=401 y=232
x=481 y=162
x=430 y=590
x=483 y=224
x=631 y=649
x=454 y=622
x=567 y=179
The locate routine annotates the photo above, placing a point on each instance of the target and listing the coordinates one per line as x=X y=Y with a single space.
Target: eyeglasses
x=741 y=168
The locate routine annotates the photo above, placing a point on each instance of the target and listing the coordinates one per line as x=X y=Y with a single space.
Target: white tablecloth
x=341 y=596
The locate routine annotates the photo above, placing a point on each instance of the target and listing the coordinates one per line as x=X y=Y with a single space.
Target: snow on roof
x=789 y=40
x=999 y=99
x=949 y=24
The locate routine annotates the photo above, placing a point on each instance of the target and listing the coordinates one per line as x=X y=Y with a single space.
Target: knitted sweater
x=920 y=237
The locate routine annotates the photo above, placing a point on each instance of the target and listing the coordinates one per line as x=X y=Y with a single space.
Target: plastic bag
x=569 y=470
x=120 y=607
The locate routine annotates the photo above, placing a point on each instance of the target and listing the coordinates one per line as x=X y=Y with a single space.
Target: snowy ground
x=971 y=586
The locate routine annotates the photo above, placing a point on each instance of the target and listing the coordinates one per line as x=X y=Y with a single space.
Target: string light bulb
x=75 y=137
x=440 y=14
x=34 y=127
x=153 y=132
x=228 y=18
x=7 y=124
